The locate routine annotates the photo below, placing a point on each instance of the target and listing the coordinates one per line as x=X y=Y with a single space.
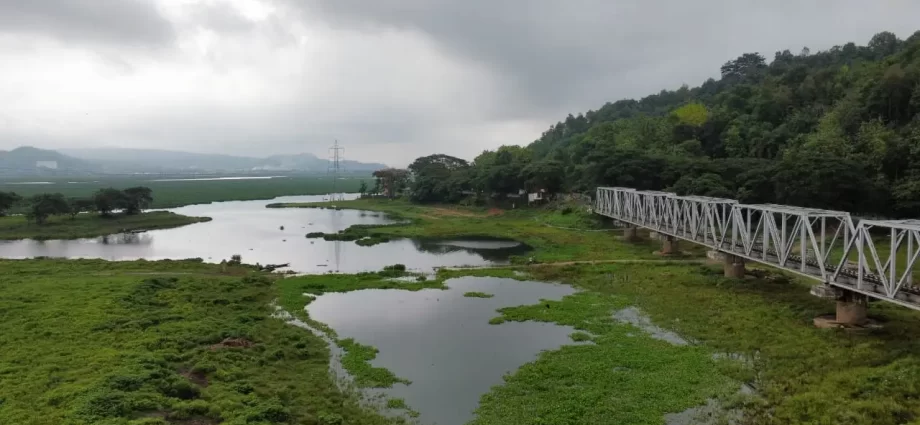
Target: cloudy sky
x=391 y=79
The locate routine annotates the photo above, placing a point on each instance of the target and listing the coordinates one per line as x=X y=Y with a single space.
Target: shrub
x=396 y=267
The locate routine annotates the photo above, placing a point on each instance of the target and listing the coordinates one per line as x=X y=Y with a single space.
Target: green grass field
x=168 y=194
x=169 y=342
x=90 y=225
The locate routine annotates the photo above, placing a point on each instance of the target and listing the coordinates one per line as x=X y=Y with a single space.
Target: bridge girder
x=802 y=240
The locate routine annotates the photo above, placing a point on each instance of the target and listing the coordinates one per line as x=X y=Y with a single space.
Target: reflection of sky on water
x=249 y=229
x=442 y=341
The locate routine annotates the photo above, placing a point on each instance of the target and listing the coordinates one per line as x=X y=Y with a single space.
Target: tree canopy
x=45 y=205
x=836 y=129
x=7 y=201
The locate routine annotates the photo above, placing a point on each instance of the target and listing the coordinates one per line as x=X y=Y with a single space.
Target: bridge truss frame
x=805 y=241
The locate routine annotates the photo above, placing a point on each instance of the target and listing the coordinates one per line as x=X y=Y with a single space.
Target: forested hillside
x=835 y=129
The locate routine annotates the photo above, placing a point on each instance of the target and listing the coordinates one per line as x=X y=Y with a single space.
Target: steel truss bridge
x=819 y=244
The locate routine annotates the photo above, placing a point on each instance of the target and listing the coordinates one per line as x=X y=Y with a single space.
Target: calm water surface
x=249 y=229
x=442 y=341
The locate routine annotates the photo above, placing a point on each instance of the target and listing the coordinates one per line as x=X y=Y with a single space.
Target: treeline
x=837 y=129
x=40 y=207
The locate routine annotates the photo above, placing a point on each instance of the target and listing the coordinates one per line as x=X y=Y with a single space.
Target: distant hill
x=33 y=160
x=132 y=160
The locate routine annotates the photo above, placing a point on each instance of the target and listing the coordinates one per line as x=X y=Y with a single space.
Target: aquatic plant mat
x=167 y=342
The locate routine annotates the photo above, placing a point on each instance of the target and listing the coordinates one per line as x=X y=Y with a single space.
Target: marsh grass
x=170 y=194
x=90 y=341
x=91 y=225
x=478 y=295
x=357 y=360
x=801 y=374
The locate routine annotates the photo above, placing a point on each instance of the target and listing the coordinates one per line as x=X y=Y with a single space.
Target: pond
x=249 y=229
x=442 y=341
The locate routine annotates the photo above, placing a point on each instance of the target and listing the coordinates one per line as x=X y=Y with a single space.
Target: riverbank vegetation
x=476 y=294
x=91 y=225
x=800 y=374
x=530 y=226
x=179 y=190
x=167 y=342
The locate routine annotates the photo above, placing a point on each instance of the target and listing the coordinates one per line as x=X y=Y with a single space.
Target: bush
x=395 y=267
x=104 y=404
x=314 y=235
x=272 y=411
x=189 y=409
x=178 y=387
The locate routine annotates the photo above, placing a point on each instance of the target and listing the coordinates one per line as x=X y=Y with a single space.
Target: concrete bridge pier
x=734 y=266
x=631 y=233
x=852 y=309
x=668 y=245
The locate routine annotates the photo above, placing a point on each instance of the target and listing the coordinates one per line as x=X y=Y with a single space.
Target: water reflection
x=442 y=341
x=126 y=239
x=249 y=229
x=492 y=250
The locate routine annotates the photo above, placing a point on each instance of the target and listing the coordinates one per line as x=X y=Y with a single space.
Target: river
x=273 y=236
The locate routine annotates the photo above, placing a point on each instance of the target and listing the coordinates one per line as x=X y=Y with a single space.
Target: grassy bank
x=169 y=194
x=801 y=374
x=535 y=227
x=91 y=225
x=169 y=342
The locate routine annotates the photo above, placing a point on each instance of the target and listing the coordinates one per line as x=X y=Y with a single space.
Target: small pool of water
x=273 y=236
x=442 y=341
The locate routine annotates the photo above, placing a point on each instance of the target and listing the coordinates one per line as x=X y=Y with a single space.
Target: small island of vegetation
x=108 y=211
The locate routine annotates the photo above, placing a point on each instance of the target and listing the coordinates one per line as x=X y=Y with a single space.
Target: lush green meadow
x=169 y=342
x=168 y=194
x=90 y=225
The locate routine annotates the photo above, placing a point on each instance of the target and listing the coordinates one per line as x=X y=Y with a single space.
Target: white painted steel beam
x=821 y=244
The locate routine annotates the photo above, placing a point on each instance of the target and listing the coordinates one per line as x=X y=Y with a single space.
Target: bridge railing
x=821 y=244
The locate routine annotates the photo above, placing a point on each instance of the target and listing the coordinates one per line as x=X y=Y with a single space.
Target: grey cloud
x=220 y=17
x=579 y=54
x=120 y=22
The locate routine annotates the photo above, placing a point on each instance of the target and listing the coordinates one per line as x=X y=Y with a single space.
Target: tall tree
x=108 y=200
x=45 y=205
x=435 y=178
x=392 y=180
x=80 y=205
x=745 y=66
x=7 y=201
x=135 y=199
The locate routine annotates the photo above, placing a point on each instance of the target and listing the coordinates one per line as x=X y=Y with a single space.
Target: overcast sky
x=390 y=79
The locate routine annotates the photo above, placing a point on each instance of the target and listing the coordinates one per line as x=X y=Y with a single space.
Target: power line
x=336 y=167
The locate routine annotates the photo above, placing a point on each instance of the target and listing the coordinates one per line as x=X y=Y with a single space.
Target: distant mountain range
x=29 y=160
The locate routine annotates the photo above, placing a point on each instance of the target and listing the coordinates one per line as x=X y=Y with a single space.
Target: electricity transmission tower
x=336 y=168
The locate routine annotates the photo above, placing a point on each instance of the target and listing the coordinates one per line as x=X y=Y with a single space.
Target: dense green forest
x=837 y=129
